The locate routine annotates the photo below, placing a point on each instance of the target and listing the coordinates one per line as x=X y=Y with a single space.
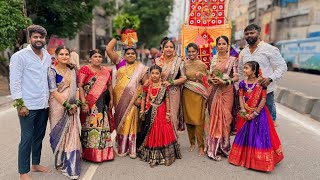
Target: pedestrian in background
x=147 y=61
x=271 y=62
x=220 y=102
x=74 y=58
x=63 y=116
x=155 y=53
x=30 y=91
x=194 y=98
x=256 y=145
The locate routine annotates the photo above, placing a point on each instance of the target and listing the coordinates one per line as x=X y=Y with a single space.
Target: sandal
x=201 y=152
x=217 y=158
x=191 y=149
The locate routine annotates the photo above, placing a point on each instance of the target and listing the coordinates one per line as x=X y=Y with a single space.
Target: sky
x=176 y=19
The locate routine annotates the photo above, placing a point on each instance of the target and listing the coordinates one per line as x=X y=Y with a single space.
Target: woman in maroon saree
x=95 y=83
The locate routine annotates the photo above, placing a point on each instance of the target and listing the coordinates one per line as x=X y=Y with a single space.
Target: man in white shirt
x=30 y=91
x=271 y=62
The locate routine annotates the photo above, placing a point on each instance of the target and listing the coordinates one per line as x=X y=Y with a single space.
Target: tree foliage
x=110 y=7
x=12 y=22
x=154 y=19
x=63 y=18
x=125 y=21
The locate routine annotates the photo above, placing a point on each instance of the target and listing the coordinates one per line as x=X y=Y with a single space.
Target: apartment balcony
x=284 y=14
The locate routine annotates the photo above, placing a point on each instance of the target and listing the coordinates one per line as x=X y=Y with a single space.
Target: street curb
x=315 y=113
x=299 y=102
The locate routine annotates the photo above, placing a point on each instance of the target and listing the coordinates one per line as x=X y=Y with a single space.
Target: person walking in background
x=256 y=145
x=74 y=58
x=95 y=85
x=271 y=62
x=220 y=102
x=155 y=53
x=194 y=98
x=30 y=91
x=147 y=61
x=63 y=117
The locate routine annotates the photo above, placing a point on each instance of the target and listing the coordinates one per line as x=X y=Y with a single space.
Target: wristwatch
x=270 y=80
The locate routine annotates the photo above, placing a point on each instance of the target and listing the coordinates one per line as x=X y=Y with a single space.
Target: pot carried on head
x=129 y=37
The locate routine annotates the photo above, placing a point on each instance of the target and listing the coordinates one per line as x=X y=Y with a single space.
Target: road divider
x=299 y=102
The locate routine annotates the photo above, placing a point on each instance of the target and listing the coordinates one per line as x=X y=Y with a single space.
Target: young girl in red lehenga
x=157 y=141
x=256 y=145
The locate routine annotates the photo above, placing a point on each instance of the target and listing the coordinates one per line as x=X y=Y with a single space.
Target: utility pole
x=93 y=26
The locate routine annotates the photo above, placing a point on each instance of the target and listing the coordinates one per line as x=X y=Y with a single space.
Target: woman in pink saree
x=173 y=75
x=131 y=74
x=63 y=116
x=220 y=102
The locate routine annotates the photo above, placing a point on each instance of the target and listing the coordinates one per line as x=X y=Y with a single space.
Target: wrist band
x=226 y=82
x=83 y=103
x=18 y=103
x=68 y=107
x=171 y=82
x=65 y=103
x=78 y=103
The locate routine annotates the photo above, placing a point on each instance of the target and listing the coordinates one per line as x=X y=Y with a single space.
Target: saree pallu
x=220 y=105
x=194 y=98
x=126 y=91
x=159 y=143
x=170 y=71
x=256 y=145
x=95 y=133
x=65 y=132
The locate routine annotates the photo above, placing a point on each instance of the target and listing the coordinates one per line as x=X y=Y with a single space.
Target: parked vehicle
x=301 y=54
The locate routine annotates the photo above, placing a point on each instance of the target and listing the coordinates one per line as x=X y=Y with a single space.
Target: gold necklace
x=62 y=71
x=93 y=69
x=129 y=77
x=249 y=90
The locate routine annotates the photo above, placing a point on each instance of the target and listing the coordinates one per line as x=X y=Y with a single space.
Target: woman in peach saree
x=220 y=102
x=173 y=75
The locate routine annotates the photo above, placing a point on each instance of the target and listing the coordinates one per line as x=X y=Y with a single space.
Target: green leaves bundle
x=125 y=21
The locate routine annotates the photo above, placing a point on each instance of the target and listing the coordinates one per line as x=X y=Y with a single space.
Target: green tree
x=12 y=22
x=110 y=7
x=63 y=18
x=154 y=19
x=233 y=31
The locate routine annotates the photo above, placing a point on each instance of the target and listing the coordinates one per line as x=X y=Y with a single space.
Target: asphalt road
x=299 y=134
x=309 y=84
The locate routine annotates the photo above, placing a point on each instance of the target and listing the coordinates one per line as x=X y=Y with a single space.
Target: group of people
x=150 y=105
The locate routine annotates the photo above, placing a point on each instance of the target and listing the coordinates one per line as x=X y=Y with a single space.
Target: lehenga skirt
x=256 y=145
x=160 y=145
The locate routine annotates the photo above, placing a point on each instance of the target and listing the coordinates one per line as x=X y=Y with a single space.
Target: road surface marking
x=300 y=119
x=90 y=172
